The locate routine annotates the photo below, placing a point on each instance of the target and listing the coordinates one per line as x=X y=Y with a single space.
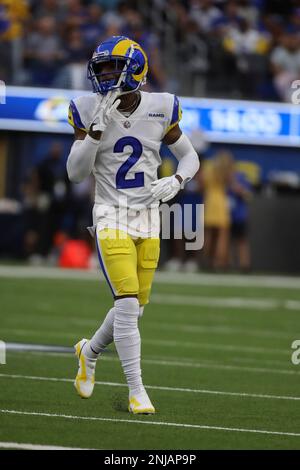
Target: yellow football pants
x=128 y=264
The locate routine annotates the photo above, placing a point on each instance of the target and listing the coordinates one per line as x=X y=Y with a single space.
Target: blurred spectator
x=116 y=18
x=54 y=209
x=108 y=4
x=53 y=8
x=229 y=19
x=204 y=13
x=186 y=223
x=135 y=29
x=285 y=63
x=43 y=52
x=76 y=14
x=239 y=197
x=294 y=24
x=35 y=208
x=272 y=25
x=248 y=48
x=13 y=16
x=242 y=39
x=112 y=28
x=190 y=218
x=217 y=177
x=195 y=59
x=80 y=209
x=249 y=11
x=73 y=74
x=51 y=171
x=200 y=47
x=93 y=30
x=46 y=201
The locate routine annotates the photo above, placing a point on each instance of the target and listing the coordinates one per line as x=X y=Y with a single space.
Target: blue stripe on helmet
x=109 y=44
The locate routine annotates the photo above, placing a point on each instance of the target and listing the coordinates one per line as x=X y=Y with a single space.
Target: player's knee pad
x=126 y=317
x=127 y=304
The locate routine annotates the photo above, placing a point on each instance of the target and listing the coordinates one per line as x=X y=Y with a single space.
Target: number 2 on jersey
x=137 y=149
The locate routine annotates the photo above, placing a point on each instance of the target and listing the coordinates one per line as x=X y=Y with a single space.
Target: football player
x=118 y=133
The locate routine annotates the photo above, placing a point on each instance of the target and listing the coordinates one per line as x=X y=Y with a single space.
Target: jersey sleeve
x=74 y=117
x=175 y=113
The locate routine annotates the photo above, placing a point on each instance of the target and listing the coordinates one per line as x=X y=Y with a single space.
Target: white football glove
x=105 y=110
x=165 y=188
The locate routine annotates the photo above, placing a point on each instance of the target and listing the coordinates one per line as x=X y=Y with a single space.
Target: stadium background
x=238 y=50
x=216 y=347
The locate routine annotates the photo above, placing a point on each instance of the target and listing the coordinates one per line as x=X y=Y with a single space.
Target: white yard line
x=30 y=272
x=226 y=280
x=167 y=343
x=248 y=360
x=151 y=423
x=216 y=347
x=38 y=347
x=185 y=364
x=25 y=446
x=266 y=304
x=45 y=333
x=225 y=302
x=219 y=329
x=157 y=387
x=292 y=304
x=216 y=366
x=229 y=280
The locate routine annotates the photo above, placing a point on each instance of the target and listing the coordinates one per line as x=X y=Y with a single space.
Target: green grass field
x=216 y=362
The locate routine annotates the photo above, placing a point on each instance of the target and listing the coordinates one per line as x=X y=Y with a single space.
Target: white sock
x=128 y=341
x=102 y=338
x=141 y=311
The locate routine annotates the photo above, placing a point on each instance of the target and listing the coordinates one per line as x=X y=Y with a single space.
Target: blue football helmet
x=129 y=66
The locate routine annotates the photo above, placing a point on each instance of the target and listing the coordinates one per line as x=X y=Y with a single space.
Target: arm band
x=81 y=159
x=186 y=155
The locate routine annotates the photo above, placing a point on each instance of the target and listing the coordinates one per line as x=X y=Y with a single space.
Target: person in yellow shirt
x=217 y=176
x=13 y=13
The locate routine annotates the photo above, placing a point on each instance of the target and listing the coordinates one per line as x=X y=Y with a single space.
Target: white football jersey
x=128 y=156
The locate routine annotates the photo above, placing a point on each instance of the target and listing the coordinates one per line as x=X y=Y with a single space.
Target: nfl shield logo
x=126 y=124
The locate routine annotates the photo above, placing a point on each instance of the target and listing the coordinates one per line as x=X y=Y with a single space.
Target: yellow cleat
x=140 y=404
x=85 y=378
